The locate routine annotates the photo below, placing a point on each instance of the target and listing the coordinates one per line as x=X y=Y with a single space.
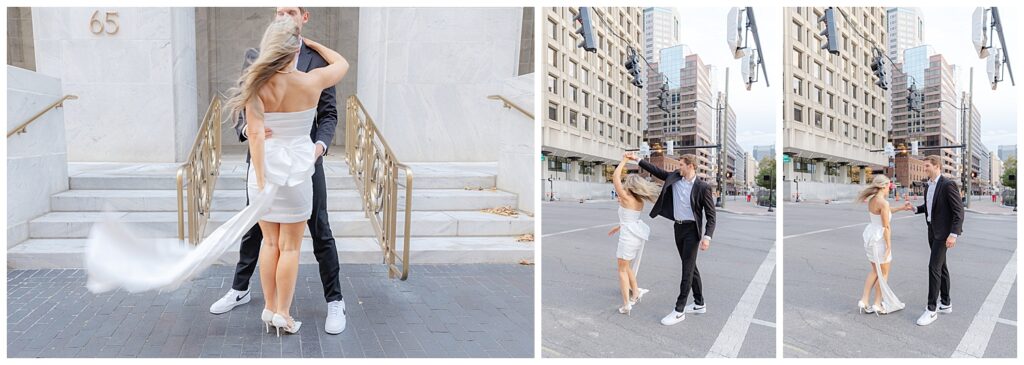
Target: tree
x=1009 y=168
x=767 y=167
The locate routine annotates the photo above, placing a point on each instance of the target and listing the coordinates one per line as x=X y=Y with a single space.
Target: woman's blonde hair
x=877 y=184
x=277 y=50
x=641 y=188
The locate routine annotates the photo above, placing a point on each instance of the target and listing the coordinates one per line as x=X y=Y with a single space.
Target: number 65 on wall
x=108 y=25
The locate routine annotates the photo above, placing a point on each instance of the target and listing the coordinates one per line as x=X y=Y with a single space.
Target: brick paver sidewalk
x=469 y=310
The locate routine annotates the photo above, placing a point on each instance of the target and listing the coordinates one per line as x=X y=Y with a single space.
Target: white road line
x=832 y=229
x=976 y=338
x=733 y=333
x=579 y=229
x=763 y=323
x=1005 y=321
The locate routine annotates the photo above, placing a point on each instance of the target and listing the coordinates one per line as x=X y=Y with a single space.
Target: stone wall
x=37 y=161
x=427 y=73
x=137 y=86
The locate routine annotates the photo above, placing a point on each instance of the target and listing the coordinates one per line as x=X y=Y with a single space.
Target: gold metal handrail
x=508 y=104
x=57 y=104
x=374 y=168
x=201 y=170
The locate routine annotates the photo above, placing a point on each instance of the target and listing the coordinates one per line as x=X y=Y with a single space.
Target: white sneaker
x=927 y=318
x=335 y=322
x=945 y=308
x=673 y=318
x=696 y=309
x=230 y=300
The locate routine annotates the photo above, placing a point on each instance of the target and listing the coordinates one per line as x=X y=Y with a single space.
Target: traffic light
x=831 y=37
x=633 y=67
x=914 y=101
x=878 y=66
x=585 y=30
x=663 y=95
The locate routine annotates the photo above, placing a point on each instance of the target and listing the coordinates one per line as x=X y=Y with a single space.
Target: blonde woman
x=633 y=232
x=275 y=95
x=878 y=245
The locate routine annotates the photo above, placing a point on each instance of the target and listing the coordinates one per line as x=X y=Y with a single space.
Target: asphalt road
x=580 y=291
x=824 y=270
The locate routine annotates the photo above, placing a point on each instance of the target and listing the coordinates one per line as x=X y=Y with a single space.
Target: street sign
x=786 y=159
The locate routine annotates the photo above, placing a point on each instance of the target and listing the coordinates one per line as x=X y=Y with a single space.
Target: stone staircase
x=448 y=224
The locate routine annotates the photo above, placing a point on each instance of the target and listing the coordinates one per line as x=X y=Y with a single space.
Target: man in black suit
x=688 y=202
x=944 y=212
x=319 y=226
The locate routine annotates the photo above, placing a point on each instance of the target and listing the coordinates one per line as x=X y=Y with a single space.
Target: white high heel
x=864 y=308
x=626 y=309
x=281 y=323
x=878 y=309
x=267 y=316
x=640 y=295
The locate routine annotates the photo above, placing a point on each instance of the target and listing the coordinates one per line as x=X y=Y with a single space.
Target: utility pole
x=966 y=175
x=723 y=151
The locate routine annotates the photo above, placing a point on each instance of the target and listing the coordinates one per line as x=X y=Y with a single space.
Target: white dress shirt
x=681 y=209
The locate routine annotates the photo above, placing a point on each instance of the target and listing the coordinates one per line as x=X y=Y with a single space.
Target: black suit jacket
x=701 y=201
x=326 y=109
x=947 y=213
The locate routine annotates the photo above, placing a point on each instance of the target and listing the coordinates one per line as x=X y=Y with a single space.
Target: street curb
x=989 y=213
x=746 y=213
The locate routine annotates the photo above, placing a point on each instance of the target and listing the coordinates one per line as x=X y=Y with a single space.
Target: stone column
x=134 y=70
x=862 y=174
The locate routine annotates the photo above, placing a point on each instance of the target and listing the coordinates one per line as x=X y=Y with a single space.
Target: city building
x=1007 y=151
x=592 y=112
x=979 y=156
x=691 y=116
x=661 y=30
x=760 y=152
x=995 y=171
x=909 y=174
x=834 y=116
x=750 y=169
x=936 y=124
x=905 y=31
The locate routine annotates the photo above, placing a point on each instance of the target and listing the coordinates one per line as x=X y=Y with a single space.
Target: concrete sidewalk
x=477 y=310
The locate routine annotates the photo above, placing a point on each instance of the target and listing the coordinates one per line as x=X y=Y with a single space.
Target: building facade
x=760 y=152
x=936 y=124
x=661 y=30
x=592 y=112
x=905 y=31
x=690 y=120
x=1007 y=150
x=995 y=171
x=834 y=116
x=750 y=169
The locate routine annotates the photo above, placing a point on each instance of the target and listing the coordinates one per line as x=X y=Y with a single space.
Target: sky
x=948 y=30
x=704 y=31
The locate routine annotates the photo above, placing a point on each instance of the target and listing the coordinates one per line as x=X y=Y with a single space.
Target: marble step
x=68 y=253
x=343 y=224
x=234 y=200
x=163 y=176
